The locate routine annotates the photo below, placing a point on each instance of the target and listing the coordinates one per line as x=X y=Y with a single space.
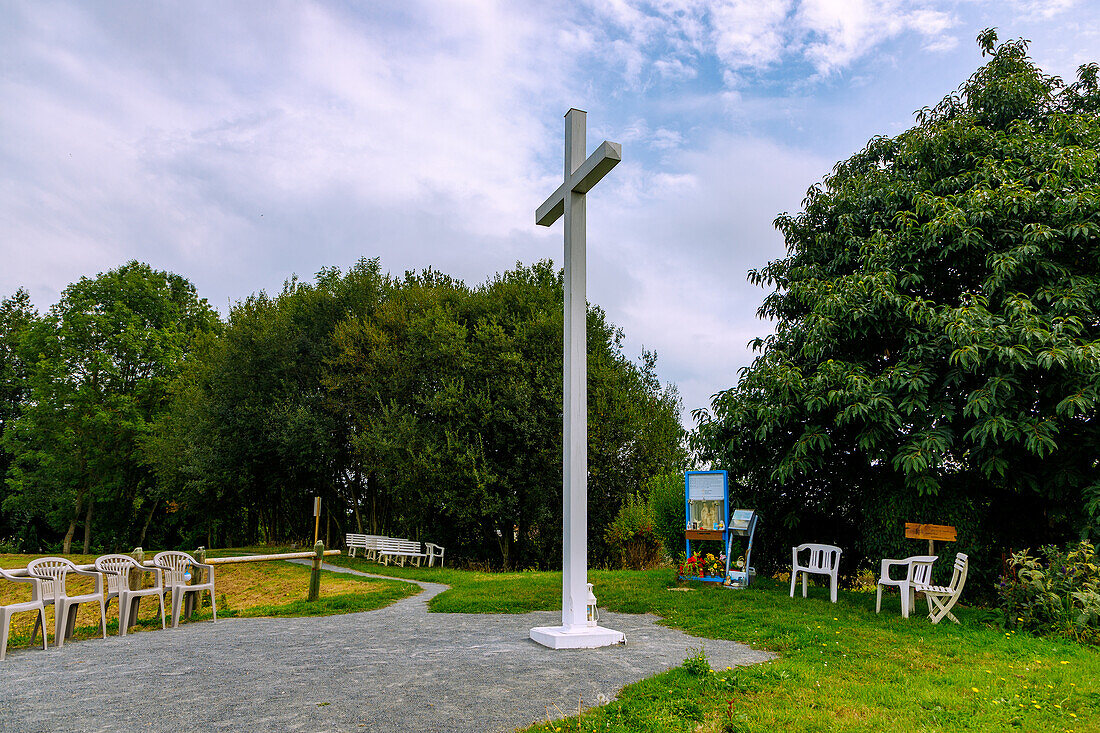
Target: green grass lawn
x=841 y=666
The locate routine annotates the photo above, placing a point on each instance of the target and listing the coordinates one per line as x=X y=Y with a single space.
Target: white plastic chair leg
x=213 y=607
x=832 y=588
x=60 y=613
x=5 y=621
x=123 y=614
x=794 y=581
x=177 y=604
x=878 y=598
x=805 y=582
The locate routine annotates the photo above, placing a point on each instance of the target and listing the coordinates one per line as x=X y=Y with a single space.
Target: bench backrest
x=391 y=545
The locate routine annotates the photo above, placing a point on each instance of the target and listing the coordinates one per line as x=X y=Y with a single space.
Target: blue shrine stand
x=708 y=517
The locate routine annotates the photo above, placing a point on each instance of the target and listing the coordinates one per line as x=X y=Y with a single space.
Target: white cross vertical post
x=580 y=176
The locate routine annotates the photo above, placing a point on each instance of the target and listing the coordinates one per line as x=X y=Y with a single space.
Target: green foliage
x=697 y=663
x=414 y=406
x=631 y=535
x=1060 y=597
x=936 y=355
x=98 y=366
x=666 y=503
x=17 y=317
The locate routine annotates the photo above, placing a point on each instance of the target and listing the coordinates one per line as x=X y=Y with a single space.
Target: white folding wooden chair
x=56 y=570
x=918 y=572
x=116 y=568
x=823 y=560
x=8 y=610
x=941 y=598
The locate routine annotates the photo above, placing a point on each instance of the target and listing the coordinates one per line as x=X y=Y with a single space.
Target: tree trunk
x=88 y=527
x=355 y=501
x=505 y=542
x=67 y=543
x=148 y=520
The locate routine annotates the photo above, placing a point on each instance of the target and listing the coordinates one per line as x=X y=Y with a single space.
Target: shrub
x=666 y=502
x=631 y=535
x=1060 y=597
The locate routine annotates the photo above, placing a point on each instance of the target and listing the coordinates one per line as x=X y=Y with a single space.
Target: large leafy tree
x=936 y=355
x=17 y=316
x=252 y=436
x=456 y=395
x=100 y=363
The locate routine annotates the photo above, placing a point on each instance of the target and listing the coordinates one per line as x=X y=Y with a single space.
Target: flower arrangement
x=703 y=565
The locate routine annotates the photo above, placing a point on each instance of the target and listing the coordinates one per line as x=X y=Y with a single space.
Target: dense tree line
x=414 y=406
x=936 y=356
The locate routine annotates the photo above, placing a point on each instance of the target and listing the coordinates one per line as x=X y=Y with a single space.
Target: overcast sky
x=238 y=143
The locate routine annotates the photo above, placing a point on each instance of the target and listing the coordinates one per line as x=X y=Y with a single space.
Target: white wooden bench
x=388 y=547
x=355 y=542
x=368 y=543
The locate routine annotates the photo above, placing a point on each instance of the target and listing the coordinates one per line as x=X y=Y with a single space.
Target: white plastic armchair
x=941 y=598
x=7 y=611
x=176 y=567
x=56 y=570
x=918 y=572
x=823 y=560
x=435 y=552
x=116 y=569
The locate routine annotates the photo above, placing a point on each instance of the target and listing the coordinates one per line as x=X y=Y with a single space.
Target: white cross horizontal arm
x=602 y=160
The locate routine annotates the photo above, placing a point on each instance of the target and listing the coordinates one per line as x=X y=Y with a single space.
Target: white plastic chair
x=175 y=566
x=55 y=570
x=941 y=598
x=918 y=572
x=35 y=604
x=824 y=560
x=116 y=568
x=435 y=552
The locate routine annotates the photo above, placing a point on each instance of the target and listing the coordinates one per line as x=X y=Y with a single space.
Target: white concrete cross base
x=576 y=637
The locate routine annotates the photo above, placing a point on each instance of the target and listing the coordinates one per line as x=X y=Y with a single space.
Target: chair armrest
x=33 y=580
x=98 y=575
x=17 y=579
x=884 y=571
x=209 y=570
x=154 y=569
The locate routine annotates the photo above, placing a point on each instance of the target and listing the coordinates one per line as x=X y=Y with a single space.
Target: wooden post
x=134 y=581
x=315 y=574
x=189 y=602
x=316 y=517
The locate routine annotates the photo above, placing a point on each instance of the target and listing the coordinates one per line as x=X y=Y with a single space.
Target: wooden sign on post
x=931 y=532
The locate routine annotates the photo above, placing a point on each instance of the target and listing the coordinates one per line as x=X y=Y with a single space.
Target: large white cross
x=580 y=176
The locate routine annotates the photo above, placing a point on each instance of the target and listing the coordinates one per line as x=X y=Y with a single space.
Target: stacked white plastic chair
x=7 y=611
x=117 y=568
x=53 y=571
x=177 y=567
x=823 y=560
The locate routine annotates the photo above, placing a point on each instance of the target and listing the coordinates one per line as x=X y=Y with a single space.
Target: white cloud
x=669 y=252
x=842 y=31
x=674 y=69
x=1042 y=9
x=750 y=33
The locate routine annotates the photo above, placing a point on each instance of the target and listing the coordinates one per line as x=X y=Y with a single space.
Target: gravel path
x=397 y=668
